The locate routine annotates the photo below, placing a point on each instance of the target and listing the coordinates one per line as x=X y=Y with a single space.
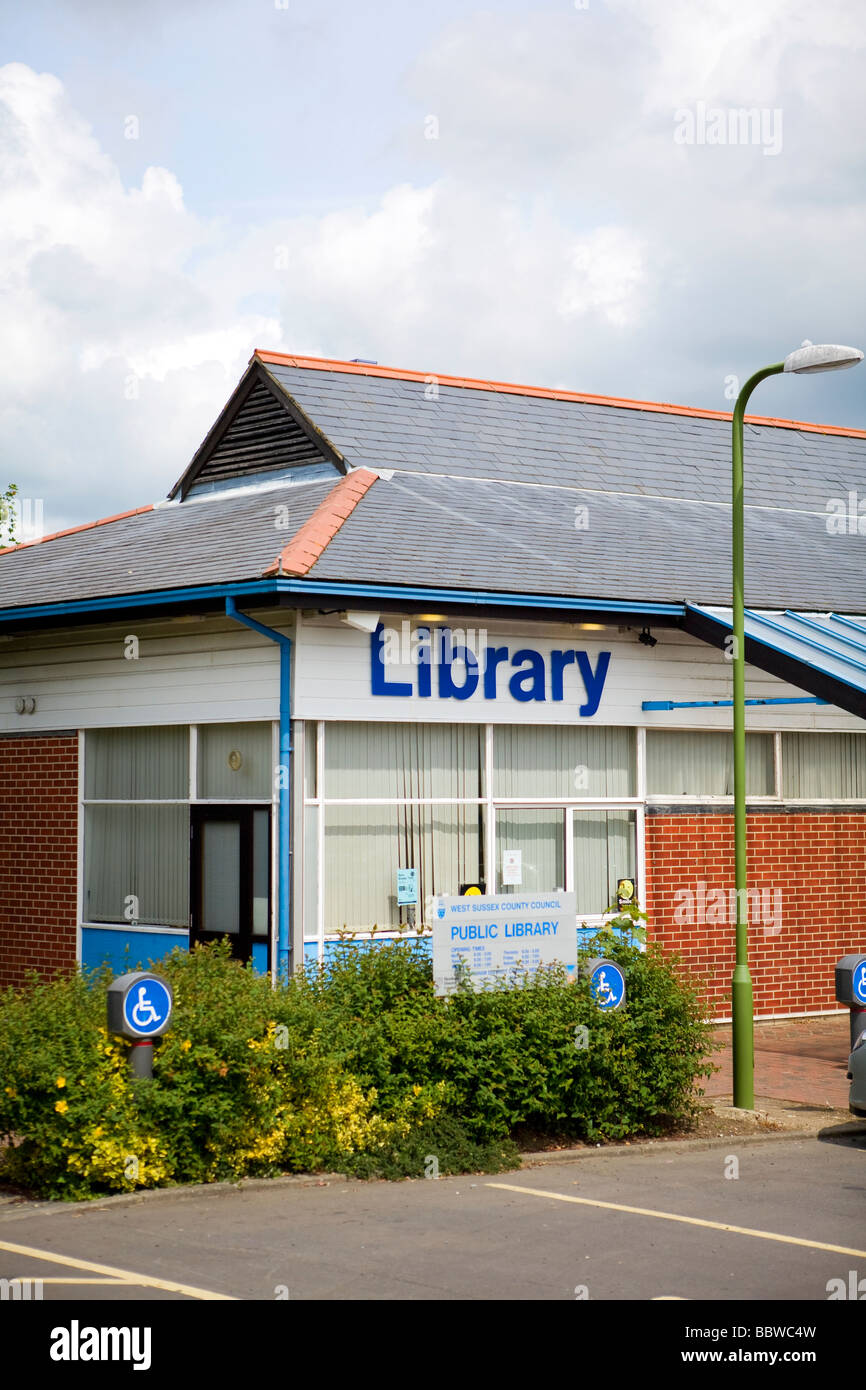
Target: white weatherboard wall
x=333 y=680
x=215 y=670
x=187 y=671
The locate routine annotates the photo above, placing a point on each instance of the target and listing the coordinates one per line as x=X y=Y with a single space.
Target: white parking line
x=674 y=1216
x=118 y=1283
x=124 y=1276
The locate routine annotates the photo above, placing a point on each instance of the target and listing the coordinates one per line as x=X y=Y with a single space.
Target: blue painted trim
x=705 y=704
x=481 y=596
x=848 y=622
x=775 y=626
x=264 y=588
x=786 y=652
x=124 y=948
x=257 y=589
x=284 y=844
x=825 y=631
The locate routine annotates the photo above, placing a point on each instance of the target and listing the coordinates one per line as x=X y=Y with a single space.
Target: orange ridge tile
x=334 y=364
x=308 y=544
x=71 y=530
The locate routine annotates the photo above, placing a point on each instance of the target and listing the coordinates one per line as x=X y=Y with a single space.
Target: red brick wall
x=38 y=854
x=817 y=860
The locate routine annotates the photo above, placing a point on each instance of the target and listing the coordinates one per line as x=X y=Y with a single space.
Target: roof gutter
x=276 y=588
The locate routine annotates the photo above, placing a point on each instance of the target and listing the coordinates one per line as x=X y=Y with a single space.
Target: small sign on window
x=407 y=887
x=512 y=867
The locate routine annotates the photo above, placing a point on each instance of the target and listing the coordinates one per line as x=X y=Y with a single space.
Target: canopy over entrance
x=824 y=653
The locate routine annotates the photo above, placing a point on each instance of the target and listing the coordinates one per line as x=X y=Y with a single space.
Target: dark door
x=231 y=879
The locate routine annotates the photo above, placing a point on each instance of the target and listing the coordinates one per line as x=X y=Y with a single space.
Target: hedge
x=354 y=1067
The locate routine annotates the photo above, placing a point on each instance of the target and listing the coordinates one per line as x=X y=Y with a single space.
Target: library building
x=395 y=635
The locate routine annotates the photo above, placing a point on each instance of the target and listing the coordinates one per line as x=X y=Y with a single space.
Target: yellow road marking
x=674 y=1216
x=42 y=1279
x=125 y=1275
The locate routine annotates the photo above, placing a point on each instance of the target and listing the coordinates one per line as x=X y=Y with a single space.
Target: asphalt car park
x=727 y=1222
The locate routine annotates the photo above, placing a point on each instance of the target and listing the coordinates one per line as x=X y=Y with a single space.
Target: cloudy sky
x=540 y=191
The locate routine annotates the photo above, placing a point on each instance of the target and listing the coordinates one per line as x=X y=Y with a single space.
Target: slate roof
x=417 y=529
x=385 y=422
x=221 y=539
x=484 y=486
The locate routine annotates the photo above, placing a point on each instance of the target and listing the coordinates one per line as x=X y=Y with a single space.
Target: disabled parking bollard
x=139 y=1009
x=606 y=982
x=851 y=990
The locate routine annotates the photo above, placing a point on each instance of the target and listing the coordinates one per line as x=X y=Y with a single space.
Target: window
x=604 y=851
x=136 y=812
x=366 y=845
x=234 y=762
x=395 y=761
x=136 y=847
x=824 y=766
x=702 y=764
x=430 y=778
x=562 y=763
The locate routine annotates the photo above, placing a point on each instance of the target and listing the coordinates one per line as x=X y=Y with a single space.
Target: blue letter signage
x=491 y=672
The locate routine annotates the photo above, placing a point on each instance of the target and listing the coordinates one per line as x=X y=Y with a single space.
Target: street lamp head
x=822 y=357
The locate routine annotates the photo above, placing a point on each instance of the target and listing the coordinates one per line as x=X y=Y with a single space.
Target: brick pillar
x=38 y=854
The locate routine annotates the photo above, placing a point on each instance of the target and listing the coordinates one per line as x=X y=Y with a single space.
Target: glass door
x=230 y=873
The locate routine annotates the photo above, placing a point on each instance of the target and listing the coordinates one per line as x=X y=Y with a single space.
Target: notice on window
x=488 y=937
x=407 y=887
x=512 y=868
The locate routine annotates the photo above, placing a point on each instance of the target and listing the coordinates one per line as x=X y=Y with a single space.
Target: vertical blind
x=234 y=762
x=365 y=846
x=702 y=764
x=137 y=765
x=140 y=852
x=604 y=851
x=563 y=763
x=825 y=766
x=404 y=760
x=136 y=857
x=539 y=836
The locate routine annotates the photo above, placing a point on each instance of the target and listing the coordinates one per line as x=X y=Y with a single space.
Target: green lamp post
x=823 y=358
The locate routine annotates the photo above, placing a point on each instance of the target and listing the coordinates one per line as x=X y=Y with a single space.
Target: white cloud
x=554 y=232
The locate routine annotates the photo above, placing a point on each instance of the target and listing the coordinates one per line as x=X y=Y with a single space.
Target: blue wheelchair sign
x=607 y=984
x=858 y=983
x=139 y=1005
x=146 y=1007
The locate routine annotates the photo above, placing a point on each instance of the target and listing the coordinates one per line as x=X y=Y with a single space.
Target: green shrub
x=355 y=1067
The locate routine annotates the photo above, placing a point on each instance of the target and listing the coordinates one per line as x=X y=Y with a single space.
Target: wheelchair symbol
x=603 y=992
x=143 y=1012
x=607 y=995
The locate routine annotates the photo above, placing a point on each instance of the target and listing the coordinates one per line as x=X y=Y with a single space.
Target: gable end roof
x=261 y=429
x=510 y=388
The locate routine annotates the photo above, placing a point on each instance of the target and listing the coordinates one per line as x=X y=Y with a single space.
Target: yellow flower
x=61 y=1107
x=185 y=1045
x=10 y=1091
x=61 y=1080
